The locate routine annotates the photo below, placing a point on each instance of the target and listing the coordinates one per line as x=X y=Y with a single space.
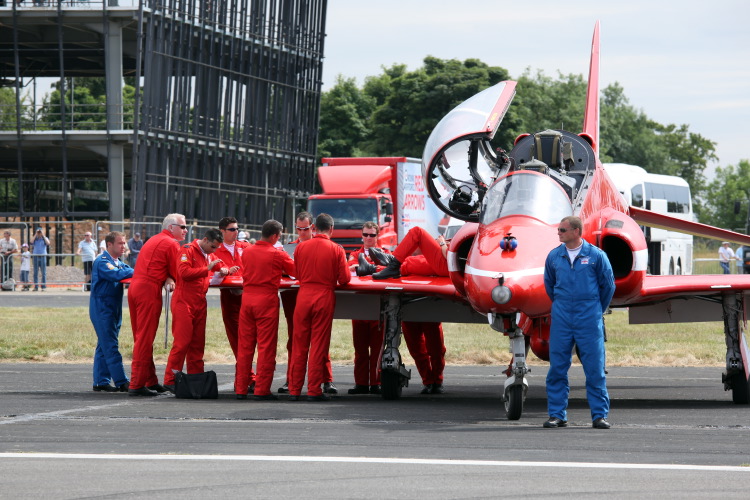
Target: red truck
x=388 y=190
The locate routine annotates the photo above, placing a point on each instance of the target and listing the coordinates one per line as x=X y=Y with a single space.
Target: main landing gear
x=394 y=376
x=736 y=376
x=516 y=386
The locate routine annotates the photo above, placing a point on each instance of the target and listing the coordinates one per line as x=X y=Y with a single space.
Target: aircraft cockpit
x=526 y=193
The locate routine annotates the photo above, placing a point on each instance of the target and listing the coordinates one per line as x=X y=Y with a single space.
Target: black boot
x=380 y=257
x=393 y=270
x=364 y=268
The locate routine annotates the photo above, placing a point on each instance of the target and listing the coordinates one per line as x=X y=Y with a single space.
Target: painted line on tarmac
x=374 y=460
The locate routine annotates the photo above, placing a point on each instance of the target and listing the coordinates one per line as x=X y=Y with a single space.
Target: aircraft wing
x=423 y=298
x=662 y=221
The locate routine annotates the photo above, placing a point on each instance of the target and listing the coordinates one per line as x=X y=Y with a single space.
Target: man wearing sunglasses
x=367 y=335
x=230 y=252
x=158 y=270
x=305 y=231
x=578 y=279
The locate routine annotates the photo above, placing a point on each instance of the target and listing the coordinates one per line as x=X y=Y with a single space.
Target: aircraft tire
x=390 y=384
x=514 y=402
x=740 y=389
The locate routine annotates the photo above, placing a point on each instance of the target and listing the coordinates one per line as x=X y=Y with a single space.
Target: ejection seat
x=550 y=155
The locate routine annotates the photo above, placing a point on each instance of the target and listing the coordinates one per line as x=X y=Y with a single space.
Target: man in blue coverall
x=105 y=311
x=579 y=281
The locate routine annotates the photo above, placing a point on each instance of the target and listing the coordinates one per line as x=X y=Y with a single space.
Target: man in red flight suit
x=230 y=252
x=432 y=262
x=367 y=335
x=263 y=265
x=426 y=346
x=189 y=307
x=157 y=269
x=305 y=230
x=320 y=265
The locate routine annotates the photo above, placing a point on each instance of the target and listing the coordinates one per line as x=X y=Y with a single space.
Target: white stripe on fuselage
x=523 y=273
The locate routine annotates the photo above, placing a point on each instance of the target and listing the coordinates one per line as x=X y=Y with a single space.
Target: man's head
x=6 y=235
x=370 y=232
x=304 y=226
x=271 y=231
x=725 y=244
x=569 y=231
x=175 y=224
x=87 y=236
x=38 y=233
x=212 y=240
x=324 y=223
x=229 y=229
x=137 y=236
x=116 y=243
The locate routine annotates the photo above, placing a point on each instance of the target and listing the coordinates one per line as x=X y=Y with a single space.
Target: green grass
x=65 y=335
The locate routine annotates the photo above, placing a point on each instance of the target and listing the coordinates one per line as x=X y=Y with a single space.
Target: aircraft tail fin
x=591 y=115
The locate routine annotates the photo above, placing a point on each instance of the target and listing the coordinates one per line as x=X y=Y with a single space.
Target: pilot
x=320 y=266
x=105 y=311
x=367 y=335
x=263 y=265
x=305 y=231
x=432 y=261
x=158 y=268
x=426 y=345
x=230 y=252
x=189 y=308
x=578 y=279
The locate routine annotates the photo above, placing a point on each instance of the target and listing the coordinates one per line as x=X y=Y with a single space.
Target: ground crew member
x=230 y=252
x=105 y=311
x=367 y=335
x=426 y=345
x=432 y=262
x=305 y=230
x=158 y=268
x=195 y=265
x=263 y=265
x=578 y=279
x=320 y=264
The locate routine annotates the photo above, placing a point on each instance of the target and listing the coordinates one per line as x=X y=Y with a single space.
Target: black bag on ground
x=196 y=385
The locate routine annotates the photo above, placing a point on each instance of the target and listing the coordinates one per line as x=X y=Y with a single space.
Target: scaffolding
x=222 y=121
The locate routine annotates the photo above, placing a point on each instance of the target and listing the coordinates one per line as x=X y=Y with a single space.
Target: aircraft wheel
x=390 y=384
x=740 y=389
x=514 y=402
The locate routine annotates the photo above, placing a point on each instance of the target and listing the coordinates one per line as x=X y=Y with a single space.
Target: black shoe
x=240 y=396
x=143 y=391
x=158 y=388
x=359 y=389
x=555 y=422
x=380 y=257
x=601 y=423
x=320 y=397
x=124 y=387
x=426 y=389
x=393 y=270
x=105 y=388
x=292 y=397
x=251 y=388
x=437 y=389
x=329 y=388
x=364 y=268
x=284 y=389
x=375 y=389
x=266 y=397
x=169 y=387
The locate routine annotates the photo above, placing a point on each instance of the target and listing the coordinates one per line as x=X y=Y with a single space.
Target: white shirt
x=725 y=254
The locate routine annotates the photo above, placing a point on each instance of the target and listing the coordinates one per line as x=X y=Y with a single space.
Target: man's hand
x=214 y=263
x=169 y=285
x=234 y=269
x=224 y=271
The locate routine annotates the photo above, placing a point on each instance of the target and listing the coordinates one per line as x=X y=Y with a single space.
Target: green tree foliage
x=85 y=105
x=731 y=186
x=395 y=112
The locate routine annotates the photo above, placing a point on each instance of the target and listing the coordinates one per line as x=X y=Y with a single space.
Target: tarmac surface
x=675 y=432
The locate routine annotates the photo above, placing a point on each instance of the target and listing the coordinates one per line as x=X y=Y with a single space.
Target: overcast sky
x=683 y=61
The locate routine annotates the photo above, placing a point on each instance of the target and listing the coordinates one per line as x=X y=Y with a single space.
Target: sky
x=681 y=62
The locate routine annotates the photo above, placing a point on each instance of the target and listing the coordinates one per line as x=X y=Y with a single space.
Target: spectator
x=8 y=247
x=87 y=251
x=25 y=266
x=135 y=244
x=39 y=245
x=725 y=255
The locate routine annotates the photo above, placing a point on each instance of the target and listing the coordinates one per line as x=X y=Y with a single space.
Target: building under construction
x=117 y=110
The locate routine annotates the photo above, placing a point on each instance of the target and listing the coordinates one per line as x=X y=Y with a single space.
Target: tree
x=344 y=115
x=731 y=185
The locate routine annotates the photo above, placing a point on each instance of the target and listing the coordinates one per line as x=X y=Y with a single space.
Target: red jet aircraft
x=512 y=205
